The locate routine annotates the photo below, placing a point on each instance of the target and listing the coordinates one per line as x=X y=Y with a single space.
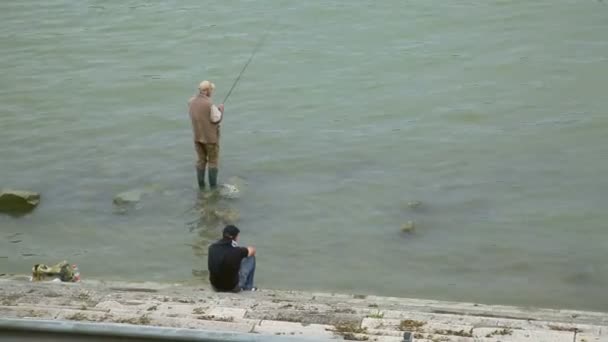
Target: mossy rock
x=128 y=197
x=213 y=217
x=408 y=227
x=414 y=204
x=18 y=202
x=229 y=191
x=134 y=196
x=227 y=215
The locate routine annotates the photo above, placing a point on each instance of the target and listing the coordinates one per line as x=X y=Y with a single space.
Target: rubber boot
x=200 y=177
x=213 y=177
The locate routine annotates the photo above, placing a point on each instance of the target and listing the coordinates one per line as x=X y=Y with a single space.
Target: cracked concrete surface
x=293 y=313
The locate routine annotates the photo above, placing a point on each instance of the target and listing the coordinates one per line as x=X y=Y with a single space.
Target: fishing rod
x=253 y=53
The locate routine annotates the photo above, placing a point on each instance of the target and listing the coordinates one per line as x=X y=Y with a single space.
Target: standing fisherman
x=206 y=118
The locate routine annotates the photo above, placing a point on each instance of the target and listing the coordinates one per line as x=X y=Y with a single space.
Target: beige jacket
x=205 y=131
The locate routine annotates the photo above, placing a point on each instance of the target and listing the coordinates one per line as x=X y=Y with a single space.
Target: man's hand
x=251 y=251
x=221 y=108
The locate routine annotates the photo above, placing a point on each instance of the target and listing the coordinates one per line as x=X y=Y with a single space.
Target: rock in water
x=414 y=204
x=18 y=202
x=227 y=215
x=133 y=196
x=128 y=197
x=408 y=227
x=229 y=191
x=237 y=181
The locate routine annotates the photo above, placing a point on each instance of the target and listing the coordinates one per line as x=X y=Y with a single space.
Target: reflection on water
x=213 y=212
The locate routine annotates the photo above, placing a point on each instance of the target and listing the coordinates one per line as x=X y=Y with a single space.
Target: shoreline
x=292 y=313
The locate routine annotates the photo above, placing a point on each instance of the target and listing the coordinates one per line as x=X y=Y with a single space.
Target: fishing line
x=253 y=53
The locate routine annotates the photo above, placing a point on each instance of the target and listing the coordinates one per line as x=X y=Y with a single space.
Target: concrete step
x=292 y=313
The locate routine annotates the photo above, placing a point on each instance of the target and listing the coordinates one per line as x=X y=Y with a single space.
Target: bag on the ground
x=62 y=271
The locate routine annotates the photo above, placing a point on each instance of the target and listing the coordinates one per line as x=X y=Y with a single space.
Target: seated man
x=231 y=268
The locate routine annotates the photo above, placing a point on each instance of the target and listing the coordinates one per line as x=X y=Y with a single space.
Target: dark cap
x=230 y=231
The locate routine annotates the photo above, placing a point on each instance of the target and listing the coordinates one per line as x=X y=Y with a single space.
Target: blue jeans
x=246 y=273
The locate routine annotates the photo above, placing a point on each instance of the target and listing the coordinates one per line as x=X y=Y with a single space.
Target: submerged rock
x=414 y=204
x=134 y=196
x=227 y=215
x=408 y=227
x=229 y=191
x=212 y=219
x=219 y=215
x=581 y=275
x=237 y=181
x=17 y=202
x=128 y=197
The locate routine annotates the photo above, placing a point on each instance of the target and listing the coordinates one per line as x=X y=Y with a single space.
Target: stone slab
x=584 y=337
x=229 y=313
x=388 y=339
x=176 y=309
x=194 y=323
x=516 y=335
x=301 y=313
x=294 y=329
x=430 y=326
x=28 y=312
x=79 y=315
x=385 y=332
x=307 y=316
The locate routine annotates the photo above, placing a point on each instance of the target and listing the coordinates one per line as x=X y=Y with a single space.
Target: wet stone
x=408 y=227
x=18 y=202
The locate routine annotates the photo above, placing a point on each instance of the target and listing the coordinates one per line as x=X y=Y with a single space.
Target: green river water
x=491 y=113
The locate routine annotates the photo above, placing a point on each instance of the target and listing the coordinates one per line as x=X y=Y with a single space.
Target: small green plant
x=215 y=318
x=198 y=311
x=142 y=320
x=500 y=332
x=460 y=333
x=77 y=317
x=411 y=325
x=377 y=315
x=351 y=332
x=561 y=328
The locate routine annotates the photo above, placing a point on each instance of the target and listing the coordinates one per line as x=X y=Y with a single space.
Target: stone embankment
x=320 y=316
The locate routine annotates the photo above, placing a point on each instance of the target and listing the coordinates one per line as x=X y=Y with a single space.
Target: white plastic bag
x=216 y=114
